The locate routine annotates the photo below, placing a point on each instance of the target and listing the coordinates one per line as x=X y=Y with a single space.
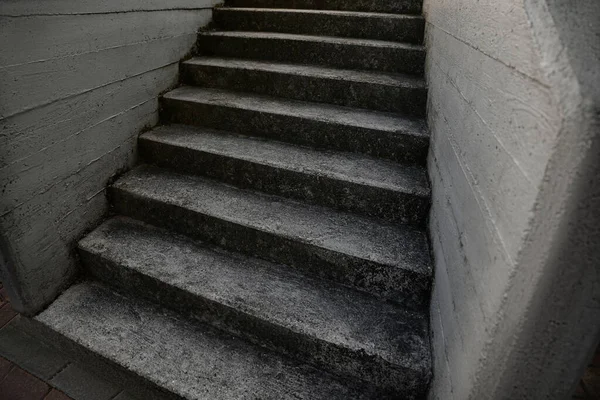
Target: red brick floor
x=16 y=383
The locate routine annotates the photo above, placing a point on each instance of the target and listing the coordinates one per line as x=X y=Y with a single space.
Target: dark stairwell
x=272 y=244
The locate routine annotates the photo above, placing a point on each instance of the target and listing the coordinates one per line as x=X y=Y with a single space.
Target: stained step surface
x=362 y=54
x=346 y=181
x=192 y=361
x=328 y=325
x=389 y=260
x=361 y=89
x=364 y=25
x=391 y=6
x=320 y=125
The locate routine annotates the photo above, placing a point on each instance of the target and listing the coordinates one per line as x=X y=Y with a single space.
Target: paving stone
x=56 y=395
x=20 y=385
x=29 y=353
x=5 y=367
x=80 y=384
x=6 y=314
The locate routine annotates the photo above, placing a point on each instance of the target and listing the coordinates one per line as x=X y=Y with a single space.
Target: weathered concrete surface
x=78 y=81
x=381 y=91
x=391 y=6
x=191 y=361
x=336 y=52
x=363 y=25
x=318 y=125
x=513 y=282
x=389 y=260
x=333 y=327
x=345 y=181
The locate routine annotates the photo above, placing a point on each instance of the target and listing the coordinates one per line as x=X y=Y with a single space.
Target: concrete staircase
x=272 y=245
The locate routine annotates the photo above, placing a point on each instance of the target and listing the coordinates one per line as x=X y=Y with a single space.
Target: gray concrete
x=31 y=351
x=363 y=25
x=380 y=91
x=336 y=52
x=188 y=360
x=29 y=354
x=333 y=327
x=390 y=6
x=317 y=125
x=345 y=181
x=514 y=127
x=388 y=260
x=78 y=81
x=78 y=383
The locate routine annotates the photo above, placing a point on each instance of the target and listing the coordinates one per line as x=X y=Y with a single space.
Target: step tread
x=313 y=38
x=318 y=111
x=374 y=77
x=351 y=167
x=341 y=13
x=319 y=309
x=190 y=360
x=397 y=246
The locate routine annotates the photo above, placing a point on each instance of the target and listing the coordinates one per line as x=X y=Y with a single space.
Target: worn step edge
x=187 y=359
x=360 y=89
x=352 y=24
x=390 y=6
x=391 y=261
x=344 y=181
x=321 y=125
x=361 y=54
x=332 y=327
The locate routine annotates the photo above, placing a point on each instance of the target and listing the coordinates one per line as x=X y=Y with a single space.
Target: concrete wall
x=79 y=79
x=512 y=129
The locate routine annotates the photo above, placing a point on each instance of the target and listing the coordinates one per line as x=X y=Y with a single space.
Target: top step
x=387 y=6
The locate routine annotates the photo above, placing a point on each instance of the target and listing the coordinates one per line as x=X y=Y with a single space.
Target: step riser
x=373 y=96
x=291 y=129
x=388 y=377
x=378 y=27
x=390 y=6
x=346 y=196
x=350 y=56
x=381 y=280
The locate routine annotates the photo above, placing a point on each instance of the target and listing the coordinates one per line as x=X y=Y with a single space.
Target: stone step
x=380 y=91
x=388 y=260
x=363 y=25
x=319 y=125
x=361 y=54
x=386 y=6
x=177 y=357
x=345 y=181
x=343 y=331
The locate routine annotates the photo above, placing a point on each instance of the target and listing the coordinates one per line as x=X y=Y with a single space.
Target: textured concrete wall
x=79 y=79
x=498 y=112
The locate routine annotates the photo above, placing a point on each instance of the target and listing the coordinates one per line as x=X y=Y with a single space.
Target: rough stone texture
x=318 y=125
x=78 y=81
x=345 y=181
x=513 y=112
x=391 y=6
x=189 y=360
x=389 y=260
x=362 y=89
x=331 y=326
x=317 y=50
x=392 y=27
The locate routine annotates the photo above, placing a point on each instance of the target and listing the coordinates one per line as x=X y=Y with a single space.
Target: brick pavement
x=16 y=383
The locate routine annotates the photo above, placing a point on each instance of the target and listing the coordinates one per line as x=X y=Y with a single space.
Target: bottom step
x=191 y=361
